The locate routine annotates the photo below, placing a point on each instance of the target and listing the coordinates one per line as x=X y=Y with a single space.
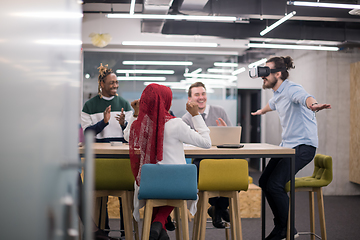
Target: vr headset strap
x=277 y=70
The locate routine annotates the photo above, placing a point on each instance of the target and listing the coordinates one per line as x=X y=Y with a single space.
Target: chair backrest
x=323 y=168
x=113 y=174
x=168 y=181
x=321 y=177
x=223 y=175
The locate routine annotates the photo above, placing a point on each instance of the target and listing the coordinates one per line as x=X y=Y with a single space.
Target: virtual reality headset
x=257 y=71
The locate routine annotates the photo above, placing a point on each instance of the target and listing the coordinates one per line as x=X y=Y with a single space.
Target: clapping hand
x=107 y=114
x=121 y=117
x=136 y=106
x=221 y=122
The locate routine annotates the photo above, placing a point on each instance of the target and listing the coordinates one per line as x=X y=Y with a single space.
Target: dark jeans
x=219 y=202
x=274 y=178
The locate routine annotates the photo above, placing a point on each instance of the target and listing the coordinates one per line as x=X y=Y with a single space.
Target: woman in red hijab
x=158 y=137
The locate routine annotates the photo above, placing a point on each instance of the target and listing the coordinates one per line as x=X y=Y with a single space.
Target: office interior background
x=48 y=65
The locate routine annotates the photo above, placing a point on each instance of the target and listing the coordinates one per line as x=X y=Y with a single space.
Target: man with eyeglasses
x=296 y=109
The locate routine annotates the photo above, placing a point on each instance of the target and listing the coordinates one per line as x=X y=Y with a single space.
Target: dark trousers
x=219 y=202
x=274 y=178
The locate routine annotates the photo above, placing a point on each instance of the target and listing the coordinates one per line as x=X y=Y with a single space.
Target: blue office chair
x=168 y=185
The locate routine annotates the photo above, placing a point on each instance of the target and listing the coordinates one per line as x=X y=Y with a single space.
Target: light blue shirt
x=297 y=121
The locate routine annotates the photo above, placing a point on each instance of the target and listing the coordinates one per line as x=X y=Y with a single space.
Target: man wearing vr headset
x=296 y=109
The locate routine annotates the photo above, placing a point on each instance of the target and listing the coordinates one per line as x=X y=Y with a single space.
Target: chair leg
x=288 y=222
x=97 y=211
x=196 y=224
x=184 y=221
x=321 y=213
x=227 y=231
x=127 y=216
x=236 y=205
x=147 y=219
x=136 y=227
x=177 y=219
x=103 y=212
x=203 y=217
x=312 y=214
x=232 y=219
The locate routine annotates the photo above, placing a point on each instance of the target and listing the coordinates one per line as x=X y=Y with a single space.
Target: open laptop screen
x=220 y=135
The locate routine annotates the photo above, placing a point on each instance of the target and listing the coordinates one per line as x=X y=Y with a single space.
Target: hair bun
x=288 y=62
x=102 y=69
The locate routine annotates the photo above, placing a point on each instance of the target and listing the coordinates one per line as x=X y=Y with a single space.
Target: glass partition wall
x=178 y=71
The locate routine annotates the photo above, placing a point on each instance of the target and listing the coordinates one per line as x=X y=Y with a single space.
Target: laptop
x=221 y=135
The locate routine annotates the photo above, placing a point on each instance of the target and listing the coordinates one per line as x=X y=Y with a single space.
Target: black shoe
x=281 y=234
x=225 y=215
x=216 y=217
x=155 y=230
x=284 y=231
x=170 y=226
x=274 y=232
x=163 y=235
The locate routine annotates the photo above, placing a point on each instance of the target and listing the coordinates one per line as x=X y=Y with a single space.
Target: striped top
x=92 y=117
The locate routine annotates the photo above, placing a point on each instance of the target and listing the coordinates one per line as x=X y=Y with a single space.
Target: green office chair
x=322 y=176
x=223 y=178
x=113 y=177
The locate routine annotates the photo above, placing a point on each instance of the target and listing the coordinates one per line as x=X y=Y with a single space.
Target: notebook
x=220 y=135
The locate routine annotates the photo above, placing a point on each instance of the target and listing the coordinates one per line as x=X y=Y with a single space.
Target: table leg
x=263 y=163
x=292 y=197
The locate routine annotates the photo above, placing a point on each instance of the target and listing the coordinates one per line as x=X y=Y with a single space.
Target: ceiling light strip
x=325 y=5
x=175 y=17
x=199 y=70
x=296 y=47
x=141 y=78
x=132 y=7
x=277 y=23
x=169 y=44
x=237 y=71
x=216 y=76
x=225 y=64
x=167 y=63
x=140 y=71
x=162 y=51
x=219 y=70
x=257 y=63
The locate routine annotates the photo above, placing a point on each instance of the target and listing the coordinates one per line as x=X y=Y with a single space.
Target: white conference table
x=250 y=150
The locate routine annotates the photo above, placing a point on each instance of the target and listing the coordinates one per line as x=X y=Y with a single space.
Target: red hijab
x=147 y=131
